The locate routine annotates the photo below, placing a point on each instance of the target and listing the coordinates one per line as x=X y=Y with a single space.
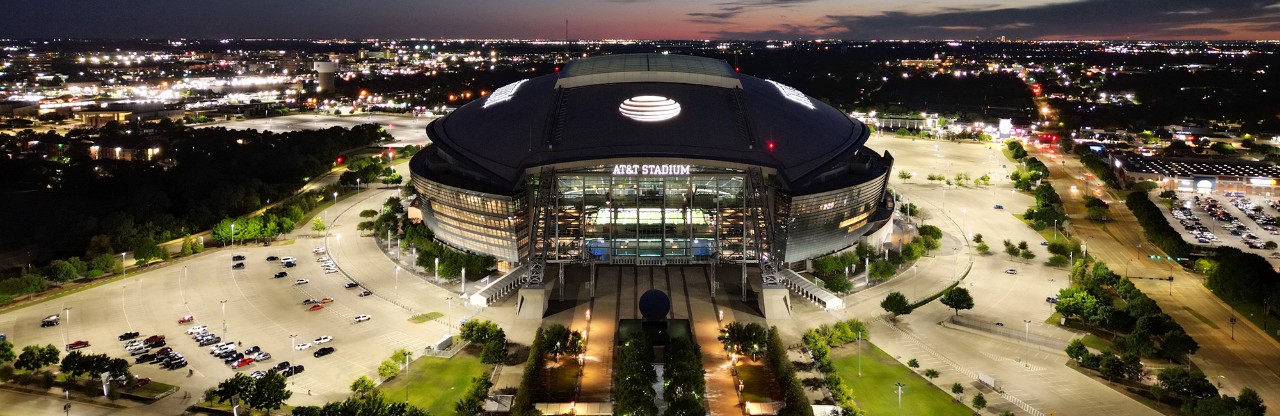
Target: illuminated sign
x=649 y=108
x=504 y=93
x=651 y=170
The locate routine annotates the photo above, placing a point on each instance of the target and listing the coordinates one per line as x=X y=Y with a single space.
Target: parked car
x=77 y=345
x=281 y=274
x=155 y=338
x=318 y=250
x=315 y=307
x=301 y=281
x=281 y=367
x=1011 y=271
x=326 y=300
x=323 y=339
x=351 y=285
x=237 y=257
x=310 y=301
x=302 y=346
x=361 y=318
x=51 y=320
x=258 y=374
x=272 y=258
x=999 y=207
x=242 y=362
x=237 y=266
x=210 y=341
x=144 y=358
x=128 y=336
x=141 y=382
x=323 y=352
x=291 y=371
x=364 y=293
x=262 y=356
x=288 y=265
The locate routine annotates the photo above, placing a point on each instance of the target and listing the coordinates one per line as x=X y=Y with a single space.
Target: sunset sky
x=646 y=19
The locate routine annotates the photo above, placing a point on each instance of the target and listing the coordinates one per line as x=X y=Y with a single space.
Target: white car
x=302 y=346
x=301 y=281
x=328 y=271
x=197 y=329
x=323 y=258
x=323 y=339
x=261 y=356
x=1011 y=271
x=362 y=318
x=329 y=265
x=138 y=342
x=287 y=260
x=318 y=250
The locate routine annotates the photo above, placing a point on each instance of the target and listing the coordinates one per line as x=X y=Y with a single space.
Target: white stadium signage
x=651 y=170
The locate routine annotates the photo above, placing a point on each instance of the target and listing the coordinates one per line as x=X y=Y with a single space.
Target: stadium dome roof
x=639 y=106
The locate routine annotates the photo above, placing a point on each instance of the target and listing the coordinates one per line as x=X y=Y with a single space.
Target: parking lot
x=406 y=129
x=1233 y=221
x=246 y=306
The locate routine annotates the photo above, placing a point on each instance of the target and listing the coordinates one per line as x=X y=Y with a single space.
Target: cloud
x=731 y=9
x=1095 y=19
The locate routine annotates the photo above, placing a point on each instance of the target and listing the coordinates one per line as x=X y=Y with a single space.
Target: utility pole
x=899 y=386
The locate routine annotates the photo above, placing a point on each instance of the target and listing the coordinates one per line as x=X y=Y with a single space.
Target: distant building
x=1201 y=175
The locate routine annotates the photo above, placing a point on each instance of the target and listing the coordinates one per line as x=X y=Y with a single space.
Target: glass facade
x=623 y=218
x=473 y=221
x=653 y=214
x=826 y=222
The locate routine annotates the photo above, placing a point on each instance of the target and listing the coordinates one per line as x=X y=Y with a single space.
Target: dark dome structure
x=650 y=159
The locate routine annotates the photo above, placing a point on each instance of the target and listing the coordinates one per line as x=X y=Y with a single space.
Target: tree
x=369 y=213
x=958 y=298
x=1110 y=366
x=318 y=225
x=896 y=304
x=931 y=373
x=904 y=175
x=1076 y=349
x=186 y=247
x=362 y=386
x=913 y=363
x=1010 y=249
x=977 y=238
x=979 y=402
x=1251 y=401
x=388 y=369
x=957 y=390
x=983 y=248
x=61 y=271
x=269 y=392
x=1028 y=255
x=239 y=385
x=1058 y=260
x=6 y=352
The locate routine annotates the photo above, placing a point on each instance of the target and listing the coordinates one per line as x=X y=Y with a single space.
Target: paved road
x=1250 y=359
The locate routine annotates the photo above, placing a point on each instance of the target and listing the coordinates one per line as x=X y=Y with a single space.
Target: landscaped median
x=862 y=378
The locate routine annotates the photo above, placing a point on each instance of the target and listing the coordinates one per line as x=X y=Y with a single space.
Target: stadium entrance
x=648 y=214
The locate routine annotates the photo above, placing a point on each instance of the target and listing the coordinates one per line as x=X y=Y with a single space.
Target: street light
x=124 y=272
x=899 y=386
x=233 y=237
x=1027 y=337
x=224 y=317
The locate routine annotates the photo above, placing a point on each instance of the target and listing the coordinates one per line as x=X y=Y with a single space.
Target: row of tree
x=1147 y=330
x=794 y=400
x=1154 y=225
x=373 y=403
x=267 y=393
x=819 y=341
x=634 y=377
x=532 y=382
x=684 y=378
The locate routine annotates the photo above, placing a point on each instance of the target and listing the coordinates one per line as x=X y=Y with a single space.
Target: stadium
x=651 y=160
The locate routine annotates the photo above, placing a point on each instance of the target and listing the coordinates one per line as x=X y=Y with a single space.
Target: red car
x=316 y=307
x=77 y=345
x=141 y=382
x=243 y=362
x=153 y=338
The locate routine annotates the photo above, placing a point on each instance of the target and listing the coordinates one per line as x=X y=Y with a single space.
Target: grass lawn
x=874 y=391
x=426 y=317
x=755 y=382
x=563 y=379
x=1096 y=342
x=154 y=390
x=435 y=384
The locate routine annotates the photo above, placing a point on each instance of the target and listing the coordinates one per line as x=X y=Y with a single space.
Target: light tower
x=324 y=74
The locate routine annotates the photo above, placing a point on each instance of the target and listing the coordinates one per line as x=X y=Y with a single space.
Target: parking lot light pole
x=124 y=271
x=899 y=386
x=224 y=318
x=1027 y=336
